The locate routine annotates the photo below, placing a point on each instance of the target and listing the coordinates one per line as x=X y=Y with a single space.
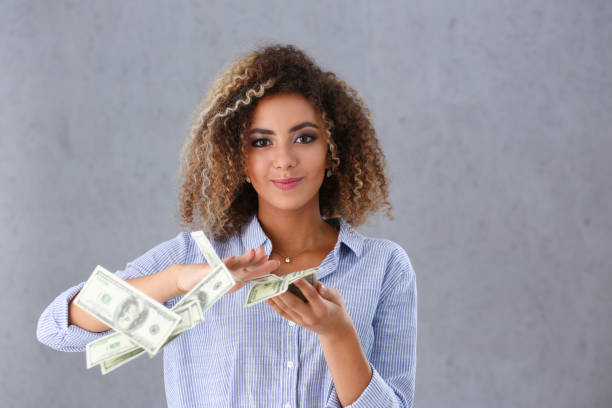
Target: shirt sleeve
x=393 y=358
x=53 y=329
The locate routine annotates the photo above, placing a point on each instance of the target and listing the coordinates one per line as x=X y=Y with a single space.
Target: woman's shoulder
x=390 y=252
x=180 y=243
x=383 y=246
x=170 y=251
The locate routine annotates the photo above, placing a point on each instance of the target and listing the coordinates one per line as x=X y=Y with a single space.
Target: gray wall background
x=495 y=118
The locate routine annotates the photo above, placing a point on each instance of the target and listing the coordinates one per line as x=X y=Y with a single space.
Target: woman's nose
x=284 y=157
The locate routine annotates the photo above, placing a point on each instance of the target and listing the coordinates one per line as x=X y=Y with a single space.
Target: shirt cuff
x=376 y=394
x=53 y=328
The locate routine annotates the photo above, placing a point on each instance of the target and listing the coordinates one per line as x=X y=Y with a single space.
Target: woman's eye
x=256 y=143
x=311 y=139
x=263 y=142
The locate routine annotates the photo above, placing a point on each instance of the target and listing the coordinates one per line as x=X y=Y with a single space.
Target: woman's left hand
x=324 y=313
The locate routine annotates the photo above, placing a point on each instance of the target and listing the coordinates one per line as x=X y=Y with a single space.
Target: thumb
x=327 y=293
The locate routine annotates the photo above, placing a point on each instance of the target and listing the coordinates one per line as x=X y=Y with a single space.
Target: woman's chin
x=288 y=203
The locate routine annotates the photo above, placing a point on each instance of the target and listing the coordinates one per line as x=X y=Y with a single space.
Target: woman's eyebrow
x=293 y=129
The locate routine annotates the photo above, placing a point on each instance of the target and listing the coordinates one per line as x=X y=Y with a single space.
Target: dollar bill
x=206 y=292
x=116 y=362
x=207 y=249
x=127 y=310
x=185 y=312
x=197 y=315
x=117 y=344
x=293 y=276
x=259 y=293
x=310 y=278
x=107 y=347
x=185 y=324
x=216 y=283
x=118 y=348
x=210 y=289
x=266 y=290
x=193 y=315
x=264 y=279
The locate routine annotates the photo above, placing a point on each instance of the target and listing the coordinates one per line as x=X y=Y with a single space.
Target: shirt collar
x=254 y=236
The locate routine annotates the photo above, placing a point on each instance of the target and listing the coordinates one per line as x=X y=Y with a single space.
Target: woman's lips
x=287 y=184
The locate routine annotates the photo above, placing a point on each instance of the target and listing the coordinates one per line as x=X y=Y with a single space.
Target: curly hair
x=213 y=158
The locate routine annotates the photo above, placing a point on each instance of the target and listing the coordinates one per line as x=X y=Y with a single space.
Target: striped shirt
x=253 y=357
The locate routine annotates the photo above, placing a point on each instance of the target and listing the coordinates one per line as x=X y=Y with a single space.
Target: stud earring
x=328 y=173
x=248 y=180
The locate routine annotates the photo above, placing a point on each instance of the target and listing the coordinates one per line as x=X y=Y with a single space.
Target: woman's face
x=286 y=140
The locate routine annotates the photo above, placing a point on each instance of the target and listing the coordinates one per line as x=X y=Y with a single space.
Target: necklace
x=288 y=258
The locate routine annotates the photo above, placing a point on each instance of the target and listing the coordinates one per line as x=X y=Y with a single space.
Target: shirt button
x=287 y=405
x=290 y=364
x=291 y=323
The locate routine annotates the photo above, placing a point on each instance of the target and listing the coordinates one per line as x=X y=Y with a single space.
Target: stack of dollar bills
x=142 y=324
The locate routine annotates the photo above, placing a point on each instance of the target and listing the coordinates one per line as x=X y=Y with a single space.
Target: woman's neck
x=295 y=232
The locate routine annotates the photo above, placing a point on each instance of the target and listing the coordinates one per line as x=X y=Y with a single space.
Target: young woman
x=281 y=164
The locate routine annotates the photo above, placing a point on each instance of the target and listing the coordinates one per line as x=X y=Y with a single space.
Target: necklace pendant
x=287 y=260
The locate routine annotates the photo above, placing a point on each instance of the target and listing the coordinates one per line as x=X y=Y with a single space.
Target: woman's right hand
x=250 y=265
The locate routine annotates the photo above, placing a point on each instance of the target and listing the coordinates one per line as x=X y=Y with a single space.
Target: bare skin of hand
x=250 y=265
x=324 y=313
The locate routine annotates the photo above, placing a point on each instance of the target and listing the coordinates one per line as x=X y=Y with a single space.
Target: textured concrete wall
x=495 y=118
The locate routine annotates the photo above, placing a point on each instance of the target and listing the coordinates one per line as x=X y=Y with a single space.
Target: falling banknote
x=121 y=306
x=116 y=349
x=118 y=344
x=215 y=284
x=143 y=324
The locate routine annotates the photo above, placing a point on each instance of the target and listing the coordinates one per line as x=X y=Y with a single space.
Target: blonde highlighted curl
x=214 y=195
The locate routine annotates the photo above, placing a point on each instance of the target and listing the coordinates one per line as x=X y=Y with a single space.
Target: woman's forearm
x=161 y=286
x=347 y=363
